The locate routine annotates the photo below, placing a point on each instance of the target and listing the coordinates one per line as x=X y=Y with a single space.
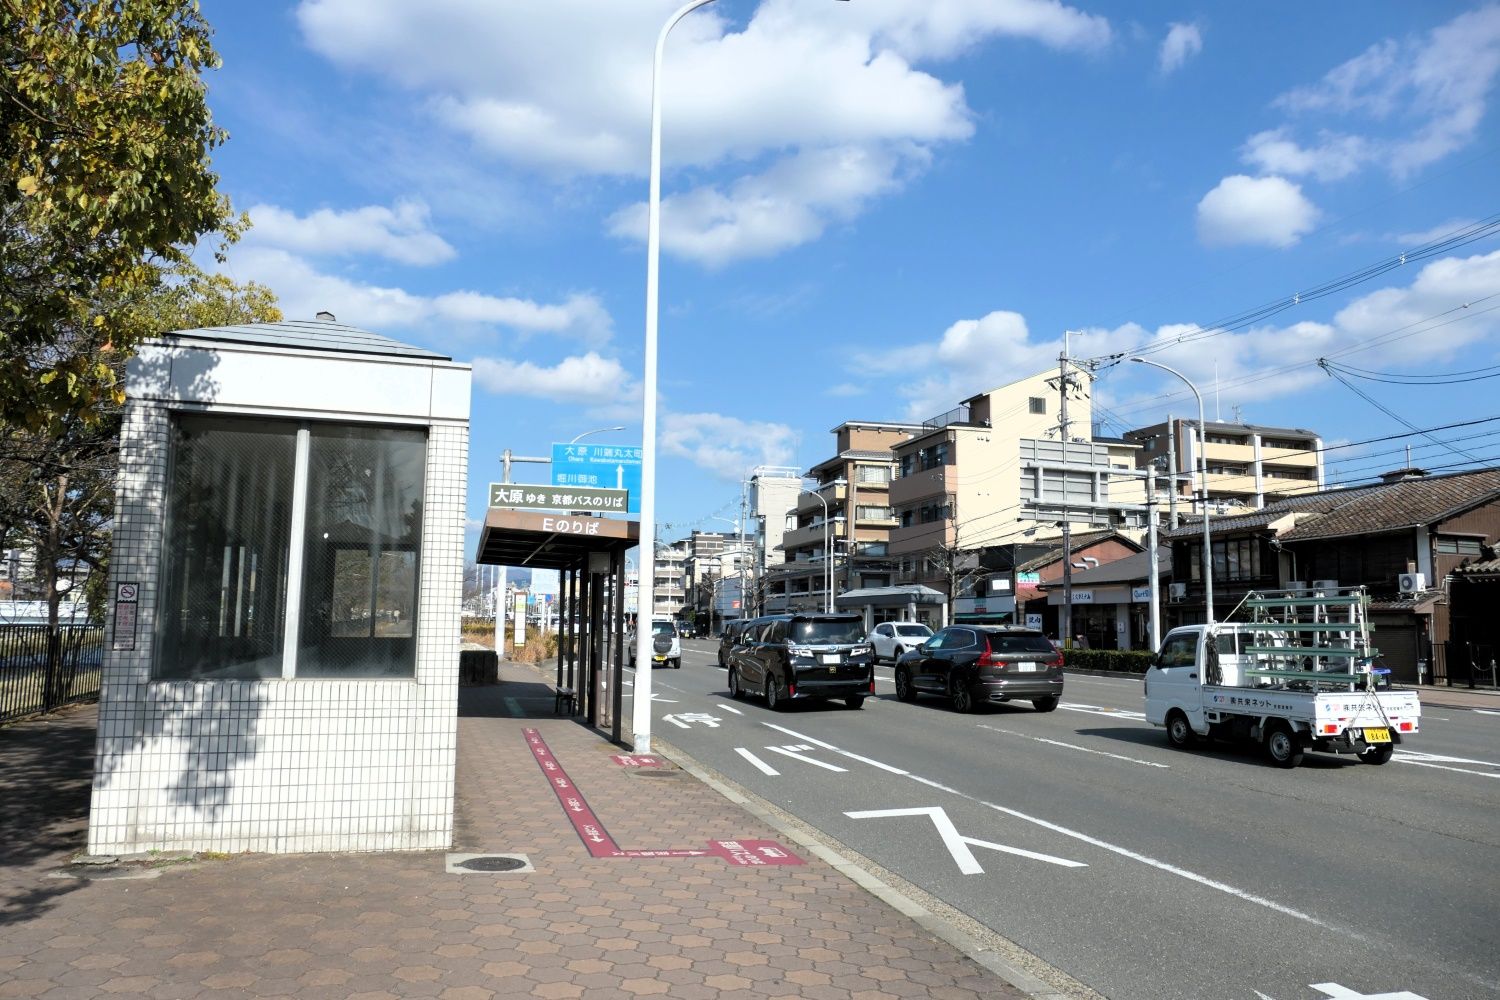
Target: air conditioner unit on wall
x=1325 y=585
x=1411 y=583
x=1176 y=592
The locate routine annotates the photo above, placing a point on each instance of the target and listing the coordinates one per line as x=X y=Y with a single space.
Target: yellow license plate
x=659 y=659
x=1381 y=735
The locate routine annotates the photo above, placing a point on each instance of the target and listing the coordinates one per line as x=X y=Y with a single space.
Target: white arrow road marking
x=764 y=767
x=675 y=721
x=806 y=739
x=957 y=843
x=1074 y=746
x=795 y=752
x=1118 y=713
x=1337 y=992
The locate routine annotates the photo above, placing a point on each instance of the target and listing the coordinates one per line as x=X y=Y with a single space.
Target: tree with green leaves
x=105 y=190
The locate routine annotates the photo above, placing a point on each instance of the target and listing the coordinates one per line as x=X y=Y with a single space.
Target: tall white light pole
x=641 y=707
x=641 y=713
x=1208 y=559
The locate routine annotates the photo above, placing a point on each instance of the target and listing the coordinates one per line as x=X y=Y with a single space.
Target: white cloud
x=399 y=233
x=761 y=215
x=1267 y=211
x=1333 y=158
x=847 y=389
x=726 y=446
x=1415 y=327
x=585 y=380
x=811 y=83
x=1183 y=41
x=1429 y=94
x=303 y=291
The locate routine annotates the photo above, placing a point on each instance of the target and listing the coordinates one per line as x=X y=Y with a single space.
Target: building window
x=1038 y=404
x=873 y=513
x=908 y=464
x=1459 y=546
x=876 y=474
x=1224 y=439
x=229 y=604
x=1235 y=560
x=1286 y=444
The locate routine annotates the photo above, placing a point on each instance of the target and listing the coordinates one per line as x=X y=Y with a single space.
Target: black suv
x=729 y=635
x=804 y=656
x=970 y=664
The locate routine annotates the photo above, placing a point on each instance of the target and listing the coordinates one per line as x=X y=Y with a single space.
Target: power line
x=1388 y=411
x=1457 y=238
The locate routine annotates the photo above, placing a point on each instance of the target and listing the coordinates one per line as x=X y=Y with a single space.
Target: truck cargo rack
x=1310 y=639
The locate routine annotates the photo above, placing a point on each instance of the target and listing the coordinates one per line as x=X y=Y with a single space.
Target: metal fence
x=41 y=670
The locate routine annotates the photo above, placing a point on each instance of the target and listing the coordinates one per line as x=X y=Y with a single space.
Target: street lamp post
x=1208 y=559
x=597 y=430
x=827 y=543
x=641 y=713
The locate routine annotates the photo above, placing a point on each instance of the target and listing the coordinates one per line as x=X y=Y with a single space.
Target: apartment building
x=670 y=586
x=771 y=495
x=714 y=569
x=1249 y=466
x=958 y=478
x=841 y=527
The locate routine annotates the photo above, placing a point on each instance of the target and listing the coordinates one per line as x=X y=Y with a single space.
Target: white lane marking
x=800 y=736
x=764 y=767
x=1484 y=711
x=1074 y=746
x=957 y=843
x=1118 y=713
x=1417 y=757
x=796 y=754
x=872 y=763
x=730 y=708
x=1444 y=767
x=1126 y=852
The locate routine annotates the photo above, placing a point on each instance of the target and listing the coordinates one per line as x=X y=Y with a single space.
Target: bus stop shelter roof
x=546 y=540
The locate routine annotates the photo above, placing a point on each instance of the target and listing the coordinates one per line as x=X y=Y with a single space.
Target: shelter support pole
x=617 y=674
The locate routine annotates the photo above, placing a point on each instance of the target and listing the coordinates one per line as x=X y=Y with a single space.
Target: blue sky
x=873 y=209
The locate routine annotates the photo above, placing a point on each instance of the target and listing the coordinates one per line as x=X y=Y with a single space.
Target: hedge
x=1131 y=661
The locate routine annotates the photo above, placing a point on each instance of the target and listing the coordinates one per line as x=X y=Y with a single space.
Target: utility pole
x=1063 y=380
x=1152 y=562
x=1172 y=469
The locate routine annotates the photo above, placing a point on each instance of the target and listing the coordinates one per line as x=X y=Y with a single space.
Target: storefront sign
x=1140 y=595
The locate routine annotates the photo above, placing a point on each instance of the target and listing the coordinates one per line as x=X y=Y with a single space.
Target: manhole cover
x=488 y=864
x=651 y=772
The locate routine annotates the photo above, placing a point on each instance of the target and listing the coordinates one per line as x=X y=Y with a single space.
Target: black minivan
x=804 y=655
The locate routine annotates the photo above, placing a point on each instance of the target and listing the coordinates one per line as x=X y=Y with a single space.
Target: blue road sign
x=607 y=466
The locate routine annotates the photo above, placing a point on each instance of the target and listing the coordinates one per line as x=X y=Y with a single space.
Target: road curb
x=931 y=922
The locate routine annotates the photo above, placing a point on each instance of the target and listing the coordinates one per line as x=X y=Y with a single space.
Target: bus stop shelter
x=589 y=553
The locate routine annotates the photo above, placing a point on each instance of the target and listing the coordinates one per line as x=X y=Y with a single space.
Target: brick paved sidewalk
x=396 y=925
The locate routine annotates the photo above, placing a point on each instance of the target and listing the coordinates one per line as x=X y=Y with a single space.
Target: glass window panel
x=360 y=564
x=228 y=536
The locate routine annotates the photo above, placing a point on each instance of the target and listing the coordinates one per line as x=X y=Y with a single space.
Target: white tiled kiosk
x=282 y=666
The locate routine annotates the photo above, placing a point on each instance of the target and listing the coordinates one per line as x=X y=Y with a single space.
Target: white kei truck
x=1299 y=676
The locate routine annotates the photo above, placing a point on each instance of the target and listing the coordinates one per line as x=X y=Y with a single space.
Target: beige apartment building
x=847 y=518
x=1249 y=466
x=959 y=477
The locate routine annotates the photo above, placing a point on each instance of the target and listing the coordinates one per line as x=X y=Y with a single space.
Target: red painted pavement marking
x=744 y=852
x=636 y=760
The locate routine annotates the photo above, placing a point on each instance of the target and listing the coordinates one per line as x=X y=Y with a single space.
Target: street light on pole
x=827 y=543
x=597 y=430
x=1208 y=559
x=641 y=714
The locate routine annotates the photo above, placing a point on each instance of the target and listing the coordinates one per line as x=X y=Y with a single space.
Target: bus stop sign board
x=601 y=466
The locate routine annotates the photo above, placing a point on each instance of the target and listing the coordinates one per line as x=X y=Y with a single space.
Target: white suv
x=661 y=629
x=891 y=639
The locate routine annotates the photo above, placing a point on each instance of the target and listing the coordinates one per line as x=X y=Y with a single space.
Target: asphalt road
x=1144 y=872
